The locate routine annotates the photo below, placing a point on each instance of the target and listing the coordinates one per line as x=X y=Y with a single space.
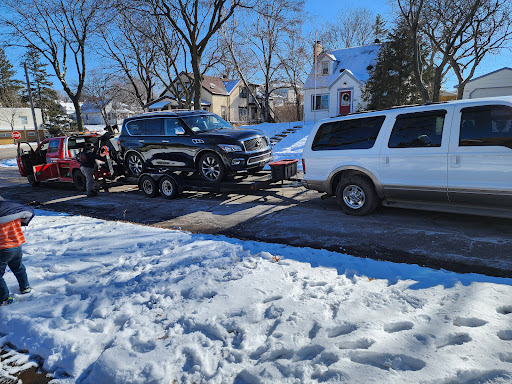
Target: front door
x=345 y=102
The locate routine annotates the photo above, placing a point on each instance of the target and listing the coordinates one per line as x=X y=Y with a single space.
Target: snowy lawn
x=8 y=163
x=116 y=302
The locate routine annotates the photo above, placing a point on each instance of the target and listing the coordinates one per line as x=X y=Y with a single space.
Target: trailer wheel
x=148 y=185
x=32 y=180
x=79 y=180
x=168 y=187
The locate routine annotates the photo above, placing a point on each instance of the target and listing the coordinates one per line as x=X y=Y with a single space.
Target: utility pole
x=31 y=105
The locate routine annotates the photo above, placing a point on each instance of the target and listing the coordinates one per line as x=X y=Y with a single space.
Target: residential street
x=297 y=217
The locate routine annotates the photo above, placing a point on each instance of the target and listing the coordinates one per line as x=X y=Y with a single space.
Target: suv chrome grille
x=255 y=144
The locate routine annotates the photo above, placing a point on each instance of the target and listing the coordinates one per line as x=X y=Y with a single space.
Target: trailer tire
x=168 y=187
x=79 y=180
x=32 y=180
x=148 y=185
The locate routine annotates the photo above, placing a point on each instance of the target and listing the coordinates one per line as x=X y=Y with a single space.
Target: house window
x=242 y=113
x=320 y=102
x=223 y=113
x=243 y=92
x=325 y=67
x=24 y=119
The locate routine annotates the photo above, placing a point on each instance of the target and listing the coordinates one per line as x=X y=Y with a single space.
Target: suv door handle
x=385 y=161
x=141 y=141
x=165 y=141
x=455 y=161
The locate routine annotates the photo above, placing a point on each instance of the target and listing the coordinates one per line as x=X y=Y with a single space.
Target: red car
x=56 y=158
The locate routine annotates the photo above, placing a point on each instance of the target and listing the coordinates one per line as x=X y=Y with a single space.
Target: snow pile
x=291 y=146
x=116 y=303
x=8 y=163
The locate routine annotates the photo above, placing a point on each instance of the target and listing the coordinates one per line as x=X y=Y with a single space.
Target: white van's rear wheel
x=356 y=195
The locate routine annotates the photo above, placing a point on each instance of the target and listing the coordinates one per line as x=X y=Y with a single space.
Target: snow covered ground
x=116 y=302
x=8 y=163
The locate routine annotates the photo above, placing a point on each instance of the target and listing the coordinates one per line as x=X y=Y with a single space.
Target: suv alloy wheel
x=135 y=164
x=211 y=167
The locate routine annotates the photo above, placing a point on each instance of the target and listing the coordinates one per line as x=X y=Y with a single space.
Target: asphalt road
x=294 y=216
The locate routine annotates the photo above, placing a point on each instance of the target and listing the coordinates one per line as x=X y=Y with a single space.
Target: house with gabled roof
x=334 y=85
x=225 y=97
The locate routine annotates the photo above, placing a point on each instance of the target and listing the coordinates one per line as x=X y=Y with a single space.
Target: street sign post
x=16 y=135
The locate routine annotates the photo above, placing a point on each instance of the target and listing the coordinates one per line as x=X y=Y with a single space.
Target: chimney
x=317 y=49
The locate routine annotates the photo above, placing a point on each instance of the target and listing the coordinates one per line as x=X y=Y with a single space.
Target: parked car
x=191 y=141
x=454 y=156
x=56 y=159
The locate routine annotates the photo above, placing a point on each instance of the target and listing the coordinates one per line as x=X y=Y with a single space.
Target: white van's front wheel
x=356 y=195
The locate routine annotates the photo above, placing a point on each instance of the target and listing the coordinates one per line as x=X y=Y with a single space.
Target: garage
x=497 y=83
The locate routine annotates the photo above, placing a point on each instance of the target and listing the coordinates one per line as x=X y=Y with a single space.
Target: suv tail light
x=303 y=166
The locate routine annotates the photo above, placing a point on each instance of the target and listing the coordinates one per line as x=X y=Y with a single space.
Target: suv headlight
x=230 y=148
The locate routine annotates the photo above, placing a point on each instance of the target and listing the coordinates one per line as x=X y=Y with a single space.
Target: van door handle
x=455 y=161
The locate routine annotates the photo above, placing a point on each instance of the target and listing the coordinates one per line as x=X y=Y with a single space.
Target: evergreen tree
x=391 y=80
x=43 y=94
x=9 y=87
x=379 y=29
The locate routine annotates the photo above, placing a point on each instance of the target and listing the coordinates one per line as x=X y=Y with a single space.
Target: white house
x=91 y=113
x=334 y=87
x=19 y=119
x=497 y=83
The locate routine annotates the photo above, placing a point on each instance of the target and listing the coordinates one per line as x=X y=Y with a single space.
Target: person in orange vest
x=12 y=217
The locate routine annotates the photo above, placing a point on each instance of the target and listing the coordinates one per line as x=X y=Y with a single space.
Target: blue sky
x=318 y=13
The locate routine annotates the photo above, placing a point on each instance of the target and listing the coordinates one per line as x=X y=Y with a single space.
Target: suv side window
x=413 y=130
x=134 y=127
x=486 y=126
x=153 y=127
x=348 y=134
x=170 y=126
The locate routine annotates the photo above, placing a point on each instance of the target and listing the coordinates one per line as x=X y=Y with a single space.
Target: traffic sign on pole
x=16 y=135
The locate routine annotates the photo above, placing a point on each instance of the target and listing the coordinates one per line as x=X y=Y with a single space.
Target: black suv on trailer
x=191 y=141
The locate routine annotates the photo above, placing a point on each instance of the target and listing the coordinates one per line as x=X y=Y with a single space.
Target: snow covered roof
x=230 y=85
x=354 y=61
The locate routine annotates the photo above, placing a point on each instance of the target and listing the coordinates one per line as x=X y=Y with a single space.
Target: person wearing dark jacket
x=12 y=217
x=88 y=165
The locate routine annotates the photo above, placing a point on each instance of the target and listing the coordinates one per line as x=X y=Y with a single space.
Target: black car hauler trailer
x=170 y=184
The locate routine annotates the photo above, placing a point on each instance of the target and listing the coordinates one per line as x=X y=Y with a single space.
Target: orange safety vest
x=11 y=234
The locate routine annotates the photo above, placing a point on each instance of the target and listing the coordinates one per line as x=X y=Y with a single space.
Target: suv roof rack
x=175 y=112
x=395 y=107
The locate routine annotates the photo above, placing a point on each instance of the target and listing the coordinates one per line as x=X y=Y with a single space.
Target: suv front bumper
x=239 y=161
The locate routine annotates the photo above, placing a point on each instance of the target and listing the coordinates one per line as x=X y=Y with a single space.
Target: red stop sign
x=16 y=135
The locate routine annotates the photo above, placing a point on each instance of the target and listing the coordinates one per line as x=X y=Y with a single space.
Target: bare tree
x=196 y=22
x=126 y=42
x=272 y=23
x=412 y=12
x=100 y=90
x=355 y=27
x=295 y=63
x=59 y=30
x=464 y=32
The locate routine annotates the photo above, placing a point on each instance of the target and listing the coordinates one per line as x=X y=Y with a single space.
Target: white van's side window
x=486 y=126
x=413 y=130
x=348 y=134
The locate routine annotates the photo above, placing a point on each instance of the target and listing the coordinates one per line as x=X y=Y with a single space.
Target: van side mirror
x=179 y=131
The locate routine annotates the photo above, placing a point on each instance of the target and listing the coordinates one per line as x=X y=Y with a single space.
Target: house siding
x=23 y=123
x=498 y=83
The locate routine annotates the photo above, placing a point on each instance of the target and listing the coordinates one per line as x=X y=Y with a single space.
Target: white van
x=454 y=156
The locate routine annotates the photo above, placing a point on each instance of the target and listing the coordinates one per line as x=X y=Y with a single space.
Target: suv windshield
x=204 y=123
